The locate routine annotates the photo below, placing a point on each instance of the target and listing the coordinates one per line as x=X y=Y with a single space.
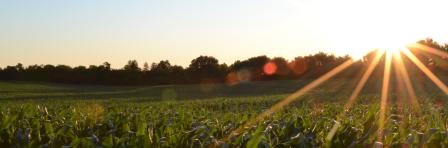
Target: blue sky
x=85 y=32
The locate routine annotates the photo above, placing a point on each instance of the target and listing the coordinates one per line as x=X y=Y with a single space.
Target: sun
x=360 y=54
x=393 y=47
x=393 y=51
x=359 y=47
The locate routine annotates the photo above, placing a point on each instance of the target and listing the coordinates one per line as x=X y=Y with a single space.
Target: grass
x=53 y=115
x=33 y=90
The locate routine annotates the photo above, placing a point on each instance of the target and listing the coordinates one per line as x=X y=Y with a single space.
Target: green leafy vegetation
x=210 y=122
x=205 y=123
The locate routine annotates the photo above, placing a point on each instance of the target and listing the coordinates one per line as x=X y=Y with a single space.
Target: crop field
x=224 y=74
x=52 y=115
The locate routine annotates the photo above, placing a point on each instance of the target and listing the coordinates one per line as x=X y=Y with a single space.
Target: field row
x=219 y=122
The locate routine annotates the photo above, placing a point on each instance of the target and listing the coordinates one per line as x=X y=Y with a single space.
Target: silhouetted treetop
x=132 y=66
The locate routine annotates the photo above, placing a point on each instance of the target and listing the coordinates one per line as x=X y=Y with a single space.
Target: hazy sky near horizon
x=85 y=32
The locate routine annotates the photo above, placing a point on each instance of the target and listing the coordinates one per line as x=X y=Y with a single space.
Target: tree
x=19 y=67
x=106 y=66
x=164 y=73
x=132 y=66
x=282 y=69
x=299 y=66
x=163 y=65
x=146 y=67
x=430 y=60
x=254 y=65
x=205 y=68
x=203 y=63
x=160 y=72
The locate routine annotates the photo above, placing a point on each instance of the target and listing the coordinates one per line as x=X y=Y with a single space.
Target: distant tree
x=19 y=67
x=34 y=67
x=205 y=68
x=163 y=65
x=431 y=43
x=132 y=66
x=282 y=69
x=432 y=61
x=165 y=73
x=106 y=66
x=93 y=67
x=298 y=66
x=79 y=68
x=321 y=63
x=204 y=63
x=49 y=68
x=254 y=65
x=160 y=72
x=132 y=73
x=146 y=66
x=223 y=68
x=177 y=75
x=10 y=73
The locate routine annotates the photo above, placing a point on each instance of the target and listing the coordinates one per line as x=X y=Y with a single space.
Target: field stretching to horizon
x=223 y=74
x=36 y=114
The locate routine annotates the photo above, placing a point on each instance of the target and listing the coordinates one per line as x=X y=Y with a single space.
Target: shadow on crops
x=337 y=87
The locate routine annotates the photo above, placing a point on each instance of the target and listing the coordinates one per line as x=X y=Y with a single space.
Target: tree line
x=203 y=69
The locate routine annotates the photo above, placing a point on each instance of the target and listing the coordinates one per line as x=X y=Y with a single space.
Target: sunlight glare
x=384 y=95
x=403 y=77
x=425 y=70
x=356 y=92
x=294 y=96
x=364 y=79
x=379 y=24
x=360 y=52
x=431 y=50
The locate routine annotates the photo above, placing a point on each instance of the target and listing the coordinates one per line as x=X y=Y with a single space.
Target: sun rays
x=403 y=77
x=295 y=96
x=394 y=62
x=384 y=94
x=425 y=70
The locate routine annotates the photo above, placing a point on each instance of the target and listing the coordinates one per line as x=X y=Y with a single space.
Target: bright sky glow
x=87 y=32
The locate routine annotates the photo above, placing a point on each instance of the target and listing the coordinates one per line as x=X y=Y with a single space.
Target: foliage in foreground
x=209 y=123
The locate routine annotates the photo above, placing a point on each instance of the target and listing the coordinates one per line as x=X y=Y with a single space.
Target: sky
x=86 y=32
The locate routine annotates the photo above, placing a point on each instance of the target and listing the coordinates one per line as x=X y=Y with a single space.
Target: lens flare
x=393 y=56
x=270 y=68
x=293 y=97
